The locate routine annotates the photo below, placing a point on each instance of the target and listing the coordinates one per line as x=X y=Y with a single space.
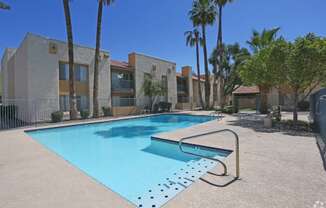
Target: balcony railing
x=183 y=99
x=122 y=85
x=123 y=102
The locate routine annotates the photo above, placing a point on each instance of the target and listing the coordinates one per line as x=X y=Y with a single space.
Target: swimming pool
x=122 y=156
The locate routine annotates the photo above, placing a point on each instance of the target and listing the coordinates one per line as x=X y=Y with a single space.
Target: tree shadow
x=255 y=121
x=128 y=132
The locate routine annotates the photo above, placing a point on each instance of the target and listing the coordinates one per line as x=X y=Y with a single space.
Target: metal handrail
x=237 y=156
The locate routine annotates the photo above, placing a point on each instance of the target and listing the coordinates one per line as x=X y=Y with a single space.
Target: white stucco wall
x=144 y=64
x=36 y=74
x=4 y=71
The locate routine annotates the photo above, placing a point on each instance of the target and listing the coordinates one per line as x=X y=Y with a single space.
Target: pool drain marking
x=173 y=185
x=189 y=179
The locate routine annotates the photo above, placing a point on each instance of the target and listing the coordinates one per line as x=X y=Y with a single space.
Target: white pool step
x=171 y=186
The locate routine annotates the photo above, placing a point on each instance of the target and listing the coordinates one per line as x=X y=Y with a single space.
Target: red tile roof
x=193 y=77
x=247 y=90
x=196 y=78
x=120 y=64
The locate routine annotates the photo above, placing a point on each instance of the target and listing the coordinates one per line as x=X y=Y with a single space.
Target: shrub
x=228 y=109
x=84 y=114
x=299 y=126
x=275 y=114
x=304 y=105
x=56 y=116
x=106 y=111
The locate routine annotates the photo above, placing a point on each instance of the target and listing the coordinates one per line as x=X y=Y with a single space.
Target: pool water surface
x=122 y=156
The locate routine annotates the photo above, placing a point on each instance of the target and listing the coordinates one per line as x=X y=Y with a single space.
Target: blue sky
x=156 y=27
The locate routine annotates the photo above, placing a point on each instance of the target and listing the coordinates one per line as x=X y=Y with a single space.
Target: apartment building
x=128 y=78
x=188 y=89
x=35 y=77
x=36 y=74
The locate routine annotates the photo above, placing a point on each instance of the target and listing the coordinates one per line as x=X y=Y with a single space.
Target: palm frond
x=4 y=6
x=203 y=12
x=107 y=2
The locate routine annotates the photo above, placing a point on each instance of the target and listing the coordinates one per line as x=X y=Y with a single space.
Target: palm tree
x=4 y=6
x=233 y=58
x=220 y=5
x=261 y=40
x=72 y=93
x=193 y=39
x=101 y=3
x=203 y=13
x=257 y=42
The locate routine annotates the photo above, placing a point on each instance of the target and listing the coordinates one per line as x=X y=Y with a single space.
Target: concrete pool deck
x=278 y=169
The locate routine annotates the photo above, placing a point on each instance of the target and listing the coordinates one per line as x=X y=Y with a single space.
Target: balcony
x=123 y=102
x=122 y=85
x=183 y=99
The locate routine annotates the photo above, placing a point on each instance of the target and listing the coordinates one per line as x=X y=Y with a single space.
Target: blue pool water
x=122 y=156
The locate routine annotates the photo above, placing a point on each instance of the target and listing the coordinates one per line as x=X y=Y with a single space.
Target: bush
x=228 y=109
x=299 y=126
x=56 y=116
x=84 y=114
x=8 y=112
x=106 y=111
x=304 y=105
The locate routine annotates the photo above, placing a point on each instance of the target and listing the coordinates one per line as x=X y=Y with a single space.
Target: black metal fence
x=318 y=115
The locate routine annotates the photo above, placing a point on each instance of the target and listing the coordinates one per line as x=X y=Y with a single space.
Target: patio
x=277 y=170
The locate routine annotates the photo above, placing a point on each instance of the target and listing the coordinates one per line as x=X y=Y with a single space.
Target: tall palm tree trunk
x=295 y=106
x=72 y=93
x=207 y=81
x=198 y=74
x=97 y=57
x=263 y=99
x=219 y=57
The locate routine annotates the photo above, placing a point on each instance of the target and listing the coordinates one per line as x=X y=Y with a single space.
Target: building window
x=82 y=102
x=122 y=81
x=81 y=72
x=164 y=82
x=154 y=67
x=64 y=103
x=63 y=71
x=165 y=88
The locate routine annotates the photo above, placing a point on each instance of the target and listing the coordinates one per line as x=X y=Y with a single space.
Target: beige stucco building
x=36 y=74
x=128 y=78
x=35 y=77
x=188 y=90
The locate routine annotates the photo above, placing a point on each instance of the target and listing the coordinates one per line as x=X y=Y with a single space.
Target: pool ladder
x=237 y=160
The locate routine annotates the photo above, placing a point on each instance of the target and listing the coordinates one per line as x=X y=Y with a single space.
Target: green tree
x=261 y=71
x=152 y=89
x=232 y=59
x=101 y=3
x=193 y=38
x=4 y=6
x=220 y=4
x=303 y=65
x=203 y=13
x=72 y=93
x=258 y=42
